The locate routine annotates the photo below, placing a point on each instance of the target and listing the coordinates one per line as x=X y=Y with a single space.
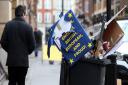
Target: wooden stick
x=107 y=23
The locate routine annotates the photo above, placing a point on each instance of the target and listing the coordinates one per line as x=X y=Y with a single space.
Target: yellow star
x=69 y=15
x=72 y=28
x=71 y=60
x=89 y=45
x=71 y=21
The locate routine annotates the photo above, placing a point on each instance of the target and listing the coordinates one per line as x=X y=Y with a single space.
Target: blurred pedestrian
x=18 y=41
x=38 y=38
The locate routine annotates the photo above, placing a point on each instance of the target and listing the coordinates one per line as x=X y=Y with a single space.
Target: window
x=47 y=17
x=126 y=12
x=56 y=14
x=86 y=6
x=57 y=4
x=94 y=1
x=39 y=6
x=67 y=4
x=39 y=17
x=47 y=4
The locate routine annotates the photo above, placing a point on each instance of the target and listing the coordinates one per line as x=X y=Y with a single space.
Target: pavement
x=41 y=72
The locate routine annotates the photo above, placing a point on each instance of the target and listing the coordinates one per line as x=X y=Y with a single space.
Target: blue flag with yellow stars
x=51 y=38
x=71 y=39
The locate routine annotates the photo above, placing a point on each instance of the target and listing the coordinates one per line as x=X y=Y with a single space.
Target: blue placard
x=71 y=39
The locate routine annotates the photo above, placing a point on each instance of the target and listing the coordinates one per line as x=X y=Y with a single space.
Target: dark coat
x=18 y=41
x=38 y=38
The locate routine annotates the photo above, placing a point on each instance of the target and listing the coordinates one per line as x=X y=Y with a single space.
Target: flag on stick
x=70 y=38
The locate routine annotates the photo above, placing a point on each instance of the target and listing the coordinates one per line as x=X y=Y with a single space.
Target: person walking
x=38 y=37
x=18 y=41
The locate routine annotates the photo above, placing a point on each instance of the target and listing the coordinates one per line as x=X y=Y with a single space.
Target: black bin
x=84 y=72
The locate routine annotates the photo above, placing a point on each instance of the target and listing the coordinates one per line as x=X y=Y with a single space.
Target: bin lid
x=96 y=61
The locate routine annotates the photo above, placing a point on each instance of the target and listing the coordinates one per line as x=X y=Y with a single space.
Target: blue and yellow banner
x=70 y=38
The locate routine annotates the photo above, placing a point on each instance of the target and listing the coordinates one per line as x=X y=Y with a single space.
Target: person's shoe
x=51 y=62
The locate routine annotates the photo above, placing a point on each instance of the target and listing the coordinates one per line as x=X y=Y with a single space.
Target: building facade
x=7 y=8
x=100 y=8
x=90 y=12
x=50 y=10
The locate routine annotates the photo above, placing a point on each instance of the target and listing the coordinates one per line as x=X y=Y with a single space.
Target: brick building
x=49 y=14
x=95 y=8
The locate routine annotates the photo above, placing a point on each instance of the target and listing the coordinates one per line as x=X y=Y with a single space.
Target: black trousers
x=17 y=75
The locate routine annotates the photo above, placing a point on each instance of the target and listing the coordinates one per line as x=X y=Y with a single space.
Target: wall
x=5 y=13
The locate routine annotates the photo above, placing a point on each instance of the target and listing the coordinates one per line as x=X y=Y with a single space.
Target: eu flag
x=71 y=39
x=51 y=38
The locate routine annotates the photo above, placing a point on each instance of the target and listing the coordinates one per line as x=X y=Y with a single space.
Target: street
x=42 y=73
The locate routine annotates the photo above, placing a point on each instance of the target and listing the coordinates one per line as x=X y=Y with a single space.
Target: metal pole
x=62 y=7
x=108 y=9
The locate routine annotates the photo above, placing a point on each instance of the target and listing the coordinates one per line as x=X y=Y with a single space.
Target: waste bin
x=84 y=72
